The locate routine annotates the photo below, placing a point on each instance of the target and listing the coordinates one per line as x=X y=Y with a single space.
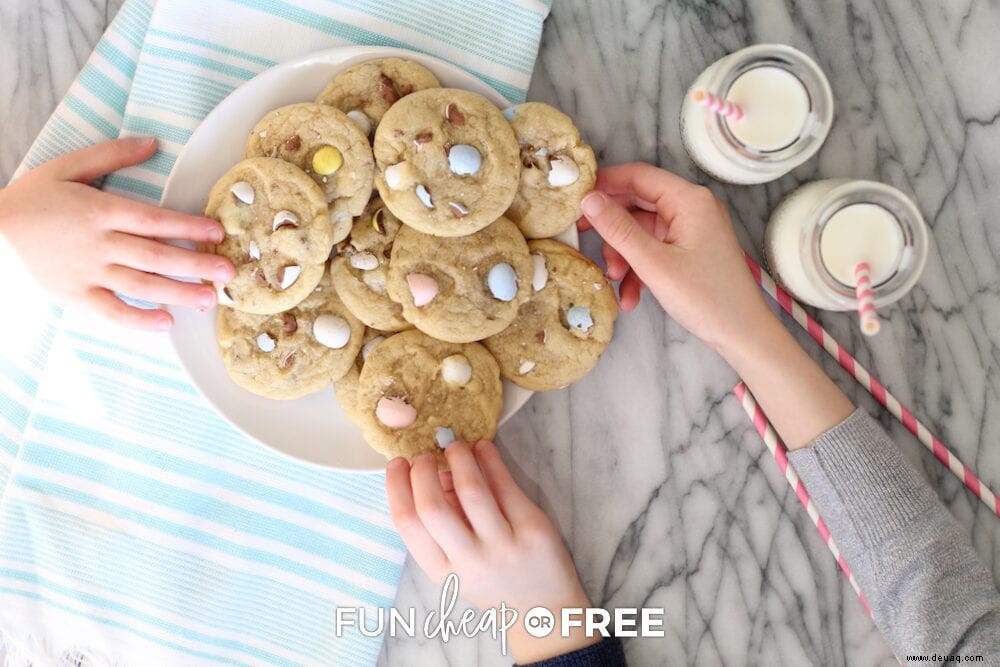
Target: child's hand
x=677 y=238
x=476 y=522
x=82 y=244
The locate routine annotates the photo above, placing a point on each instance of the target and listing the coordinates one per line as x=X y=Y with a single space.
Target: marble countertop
x=664 y=493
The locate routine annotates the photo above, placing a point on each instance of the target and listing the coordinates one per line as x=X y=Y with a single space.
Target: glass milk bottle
x=819 y=233
x=783 y=111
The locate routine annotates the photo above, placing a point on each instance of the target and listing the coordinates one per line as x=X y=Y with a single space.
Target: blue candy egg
x=444 y=436
x=464 y=160
x=502 y=282
x=578 y=317
x=509 y=113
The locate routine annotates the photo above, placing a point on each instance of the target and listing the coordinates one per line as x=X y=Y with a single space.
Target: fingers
x=643 y=183
x=475 y=494
x=617 y=266
x=422 y=546
x=161 y=223
x=630 y=291
x=514 y=504
x=442 y=521
x=155 y=288
x=622 y=232
x=89 y=164
x=158 y=257
x=110 y=306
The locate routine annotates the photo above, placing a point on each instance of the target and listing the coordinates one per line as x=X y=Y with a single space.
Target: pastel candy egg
x=332 y=331
x=395 y=413
x=509 y=113
x=287 y=275
x=265 y=343
x=368 y=347
x=502 y=282
x=364 y=261
x=464 y=160
x=361 y=120
x=562 y=172
x=399 y=176
x=284 y=219
x=540 y=274
x=327 y=160
x=456 y=370
x=422 y=287
x=444 y=436
x=243 y=191
x=578 y=317
x=222 y=293
x=424 y=195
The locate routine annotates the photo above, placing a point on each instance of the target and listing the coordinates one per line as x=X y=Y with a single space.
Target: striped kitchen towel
x=136 y=526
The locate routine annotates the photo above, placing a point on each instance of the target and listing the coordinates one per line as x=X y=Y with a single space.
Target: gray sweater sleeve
x=928 y=590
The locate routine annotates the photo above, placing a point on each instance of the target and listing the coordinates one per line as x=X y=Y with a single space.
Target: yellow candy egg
x=327 y=160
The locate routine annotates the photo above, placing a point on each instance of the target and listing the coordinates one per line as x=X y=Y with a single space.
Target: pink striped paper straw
x=866 y=299
x=874 y=387
x=730 y=110
x=780 y=454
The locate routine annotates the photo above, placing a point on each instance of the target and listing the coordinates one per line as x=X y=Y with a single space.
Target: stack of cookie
x=393 y=238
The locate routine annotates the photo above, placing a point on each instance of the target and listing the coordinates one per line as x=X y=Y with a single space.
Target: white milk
x=861 y=233
x=788 y=109
x=775 y=106
x=817 y=235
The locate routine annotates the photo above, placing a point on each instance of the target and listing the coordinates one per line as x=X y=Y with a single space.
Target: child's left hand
x=476 y=522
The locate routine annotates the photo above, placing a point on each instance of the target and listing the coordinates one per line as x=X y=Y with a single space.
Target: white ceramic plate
x=313 y=428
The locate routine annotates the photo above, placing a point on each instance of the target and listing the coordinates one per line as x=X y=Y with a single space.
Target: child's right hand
x=676 y=237
x=82 y=245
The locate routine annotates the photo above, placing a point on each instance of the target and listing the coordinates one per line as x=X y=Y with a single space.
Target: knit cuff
x=856 y=473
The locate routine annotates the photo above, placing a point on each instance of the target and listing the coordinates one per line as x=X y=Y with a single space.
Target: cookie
x=327 y=145
x=346 y=388
x=366 y=91
x=448 y=161
x=562 y=330
x=417 y=394
x=460 y=289
x=278 y=234
x=558 y=169
x=291 y=354
x=360 y=269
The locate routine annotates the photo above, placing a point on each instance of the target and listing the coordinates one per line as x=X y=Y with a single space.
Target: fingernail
x=218 y=234
x=594 y=203
x=397 y=462
x=206 y=299
x=142 y=142
x=223 y=272
x=483 y=445
x=424 y=457
x=163 y=324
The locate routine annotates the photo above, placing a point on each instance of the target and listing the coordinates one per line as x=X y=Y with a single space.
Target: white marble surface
x=663 y=493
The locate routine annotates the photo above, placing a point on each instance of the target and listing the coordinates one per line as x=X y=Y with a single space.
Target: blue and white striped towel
x=136 y=526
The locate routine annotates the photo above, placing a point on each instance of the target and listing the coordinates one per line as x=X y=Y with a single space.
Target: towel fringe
x=27 y=649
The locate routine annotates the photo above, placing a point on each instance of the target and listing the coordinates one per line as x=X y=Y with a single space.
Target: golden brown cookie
x=370 y=88
x=448 y=162
x=558 y=169
x=563 y=329
x=417 y=394
x=464 y=288
x=360 y=269
x=278 y=234
x=346 y=388
x=327 y=145
x=291 y=354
